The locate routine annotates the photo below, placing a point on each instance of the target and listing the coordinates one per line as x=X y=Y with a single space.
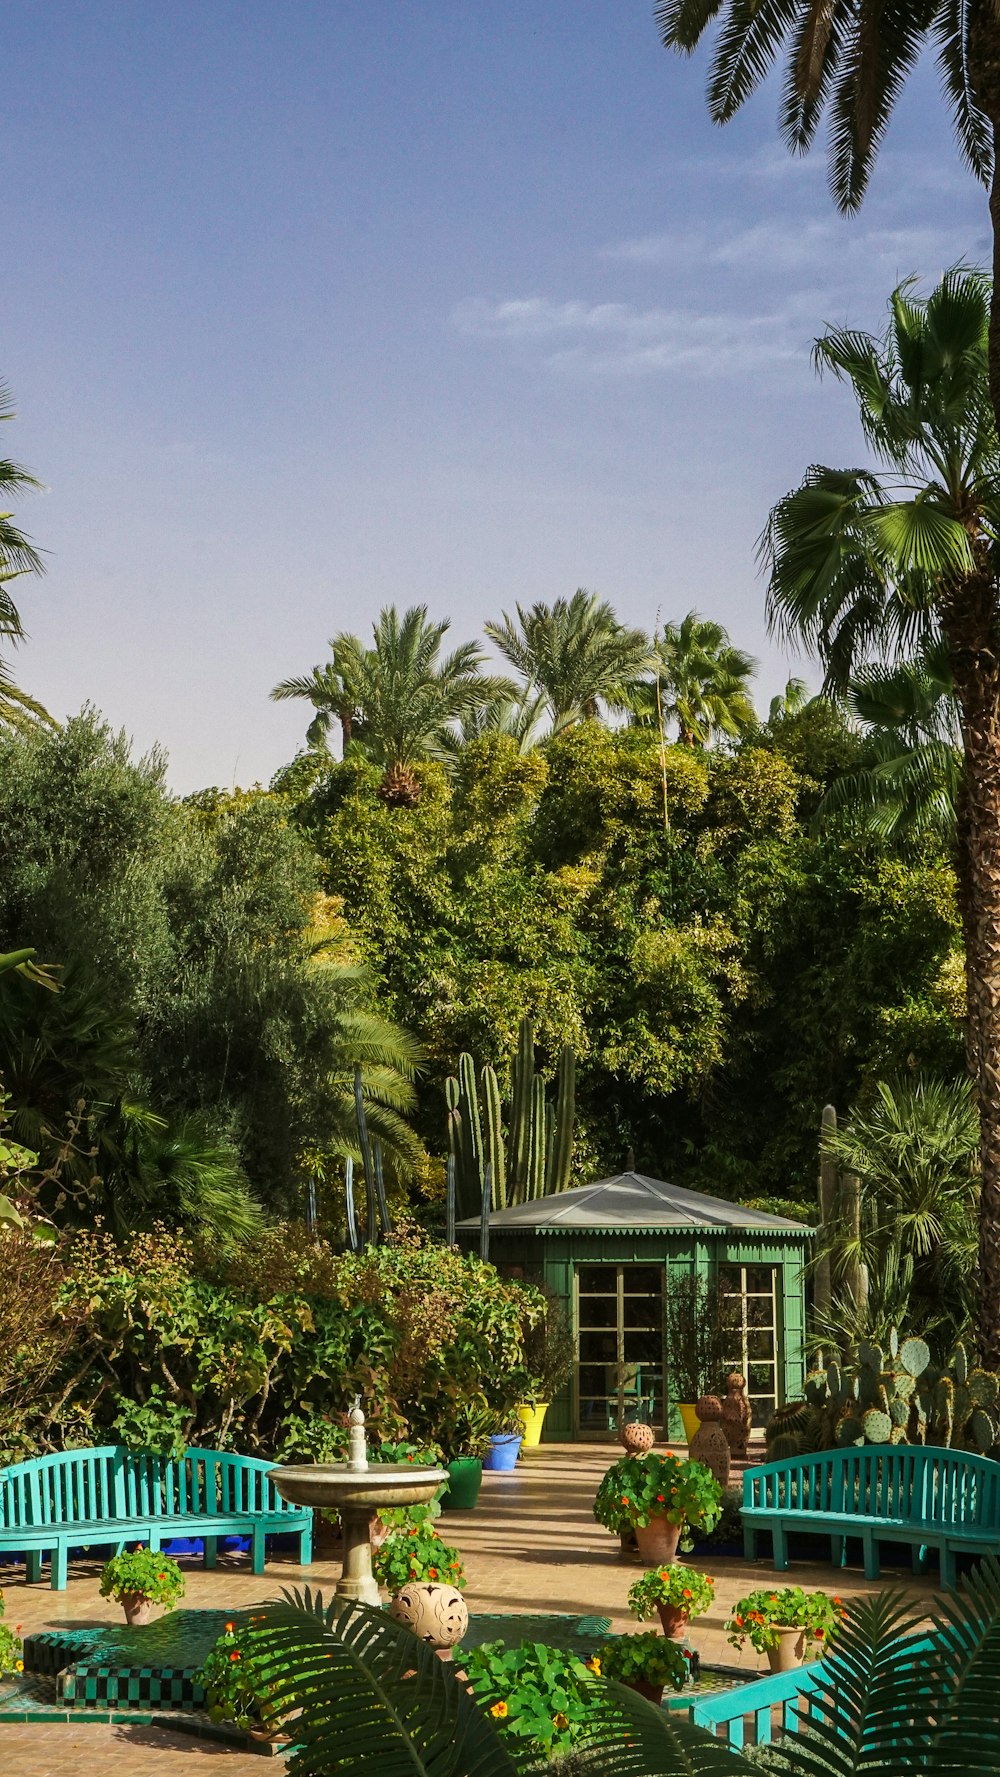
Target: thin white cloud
x=620 y=339
x=800 y=246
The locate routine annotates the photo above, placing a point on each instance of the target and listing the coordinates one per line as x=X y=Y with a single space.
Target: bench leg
x=780 y=1544
x=258 y=1549
x=33 y=1566
x=211 y=1552
x=920 y=1558
x=838 y=1550
x=60 y=1567
x=749 y=1543
x=306 y=1545
x=949 y=1575
x=870 y=1547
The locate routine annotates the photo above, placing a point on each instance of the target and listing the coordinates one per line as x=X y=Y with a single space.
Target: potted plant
x=505 y=1443
x=11 y=1652
x=234 y=1686
x=789 y=1625
x=660 y=1497
x=702 y=1330
x=543 y=1696
x=646 y=1663
x=677 y=1593
x=141 y=1578
x=549 y=1356
x=466 y=1441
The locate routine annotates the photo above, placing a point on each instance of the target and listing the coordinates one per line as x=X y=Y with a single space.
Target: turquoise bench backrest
x=74 y=1486
x=918 y=1484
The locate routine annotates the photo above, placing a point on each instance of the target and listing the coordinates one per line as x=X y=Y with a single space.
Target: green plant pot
x=465 y=1477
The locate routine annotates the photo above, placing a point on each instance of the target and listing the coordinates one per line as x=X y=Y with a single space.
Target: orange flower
x=499 y=1710
x=560 y=1721
x=659 y=1499
x=687 y=1593
x=433 y=1572
x=624 y=1499
x=820 y=1633
x=230 y=1627
x=234 y=1656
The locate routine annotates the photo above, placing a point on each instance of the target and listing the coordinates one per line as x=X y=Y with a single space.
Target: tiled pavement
x=531 y=1545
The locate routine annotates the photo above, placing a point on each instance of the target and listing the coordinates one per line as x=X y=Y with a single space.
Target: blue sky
x=311 y=307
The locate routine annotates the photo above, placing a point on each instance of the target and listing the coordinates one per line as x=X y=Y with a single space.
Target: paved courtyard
x=531 y=1545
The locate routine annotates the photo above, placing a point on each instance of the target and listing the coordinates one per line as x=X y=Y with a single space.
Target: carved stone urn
x=637 y=1438
x=438 y=1614
x=710 y=1444
x=737 y=1414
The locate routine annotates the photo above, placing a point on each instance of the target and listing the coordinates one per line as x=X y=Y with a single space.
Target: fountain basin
x=326 y=1485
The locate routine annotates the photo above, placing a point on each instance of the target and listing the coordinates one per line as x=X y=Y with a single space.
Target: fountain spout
x=357 y=1449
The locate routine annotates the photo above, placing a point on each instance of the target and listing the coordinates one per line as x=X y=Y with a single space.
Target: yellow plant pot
x=689 y=1417
x=533 y=1418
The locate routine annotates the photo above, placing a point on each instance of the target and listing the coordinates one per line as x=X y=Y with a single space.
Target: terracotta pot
x=138 y=1609
x=654 y=1692
x=657 y=1541
x=673 y=1620
x=789 y=1650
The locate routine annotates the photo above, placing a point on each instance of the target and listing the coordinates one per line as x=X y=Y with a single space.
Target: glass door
x=620 y=1346
x=754 y=1288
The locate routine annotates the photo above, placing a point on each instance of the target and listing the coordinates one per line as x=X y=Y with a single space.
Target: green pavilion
x=607 y=1250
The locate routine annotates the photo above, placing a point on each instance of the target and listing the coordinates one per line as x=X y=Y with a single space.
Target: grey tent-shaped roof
x=628 y=1202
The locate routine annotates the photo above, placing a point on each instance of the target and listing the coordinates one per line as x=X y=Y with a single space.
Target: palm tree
x=906 y=786
x=851 y=61
x=703 y=681
x=17 y=557
x=574 y=655
x=790 y=702
x=399 y=698
x=332 y=691
x=363 y=1693
x=868 y=567
x=914 y=1150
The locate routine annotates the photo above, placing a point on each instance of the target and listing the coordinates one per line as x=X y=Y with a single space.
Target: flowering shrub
x=639 y=1488
x=233 y=1682
x=416 y=1553
x=644 y=1659
x=683 y=1588
x=537 y=1693
x=145 y=1573
x=757 y=1617
x=11 y=1650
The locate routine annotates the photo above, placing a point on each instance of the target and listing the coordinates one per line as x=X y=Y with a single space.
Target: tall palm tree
x=704 y=682
x=870 y=566
x=907 y=784
x=574 y=655
x=851 y=61
x=17 y=557
x=332 y=691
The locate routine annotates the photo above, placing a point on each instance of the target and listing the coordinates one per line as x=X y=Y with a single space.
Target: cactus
x=877 y=1426
x=495 y=1153
x=536 y=1150
x=984 y=1387
x=849 y=1430
x=561 y=1158
x=522 y=1075
x=449 y=1201
x=982 y=1430
x=870 y=1356
x=899 y=1414
x=914 y=1356
x=787 y=1443
x=960 y=1364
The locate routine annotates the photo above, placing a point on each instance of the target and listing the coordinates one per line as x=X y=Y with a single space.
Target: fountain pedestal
x=357 y=1490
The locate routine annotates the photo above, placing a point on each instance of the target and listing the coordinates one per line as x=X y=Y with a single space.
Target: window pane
x=598 y=1348
x=760 y=1311
x=601 y=1280
x=641 y=1311
x=598 y=1311
x=760 y=1280
x=760 y=1343
x=642 y=1280
x=761 y=1379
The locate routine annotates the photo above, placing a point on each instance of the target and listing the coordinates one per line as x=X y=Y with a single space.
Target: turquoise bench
x=109 y=1497
x=946 y=1500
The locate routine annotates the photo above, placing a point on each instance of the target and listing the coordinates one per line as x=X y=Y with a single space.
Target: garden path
x=532 y=1545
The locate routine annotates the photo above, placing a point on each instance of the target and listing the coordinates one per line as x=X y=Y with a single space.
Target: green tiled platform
x=82 y=1674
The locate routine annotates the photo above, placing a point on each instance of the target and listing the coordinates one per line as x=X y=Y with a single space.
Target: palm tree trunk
x=970 y=623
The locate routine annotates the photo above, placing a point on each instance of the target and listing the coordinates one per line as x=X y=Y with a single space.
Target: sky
x=316 y=307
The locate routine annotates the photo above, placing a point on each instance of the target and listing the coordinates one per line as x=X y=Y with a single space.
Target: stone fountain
x=357 y=1491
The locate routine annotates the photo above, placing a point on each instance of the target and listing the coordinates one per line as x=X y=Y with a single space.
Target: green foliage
x=143 y=1573
x=539 y=1132
x=877 y=1398
x=756 y=1617
x=681 y=1587
x=233 y=1679
x=538 y=1695
x=638 y=1488
x=11 y=1648
x=416 y=1553
x=702 y=1329
x=650 y=1659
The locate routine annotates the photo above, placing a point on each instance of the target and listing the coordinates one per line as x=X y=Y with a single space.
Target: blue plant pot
x=504 y=1449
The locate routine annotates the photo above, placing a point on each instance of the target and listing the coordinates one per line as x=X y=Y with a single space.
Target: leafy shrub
x=648 y=1659
x=233 y=1680
x=538 y=1694
x=11 y=1649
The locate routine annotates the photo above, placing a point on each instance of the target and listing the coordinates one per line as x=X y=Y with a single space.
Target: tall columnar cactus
x=537 y=1154
x=829 y=1176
